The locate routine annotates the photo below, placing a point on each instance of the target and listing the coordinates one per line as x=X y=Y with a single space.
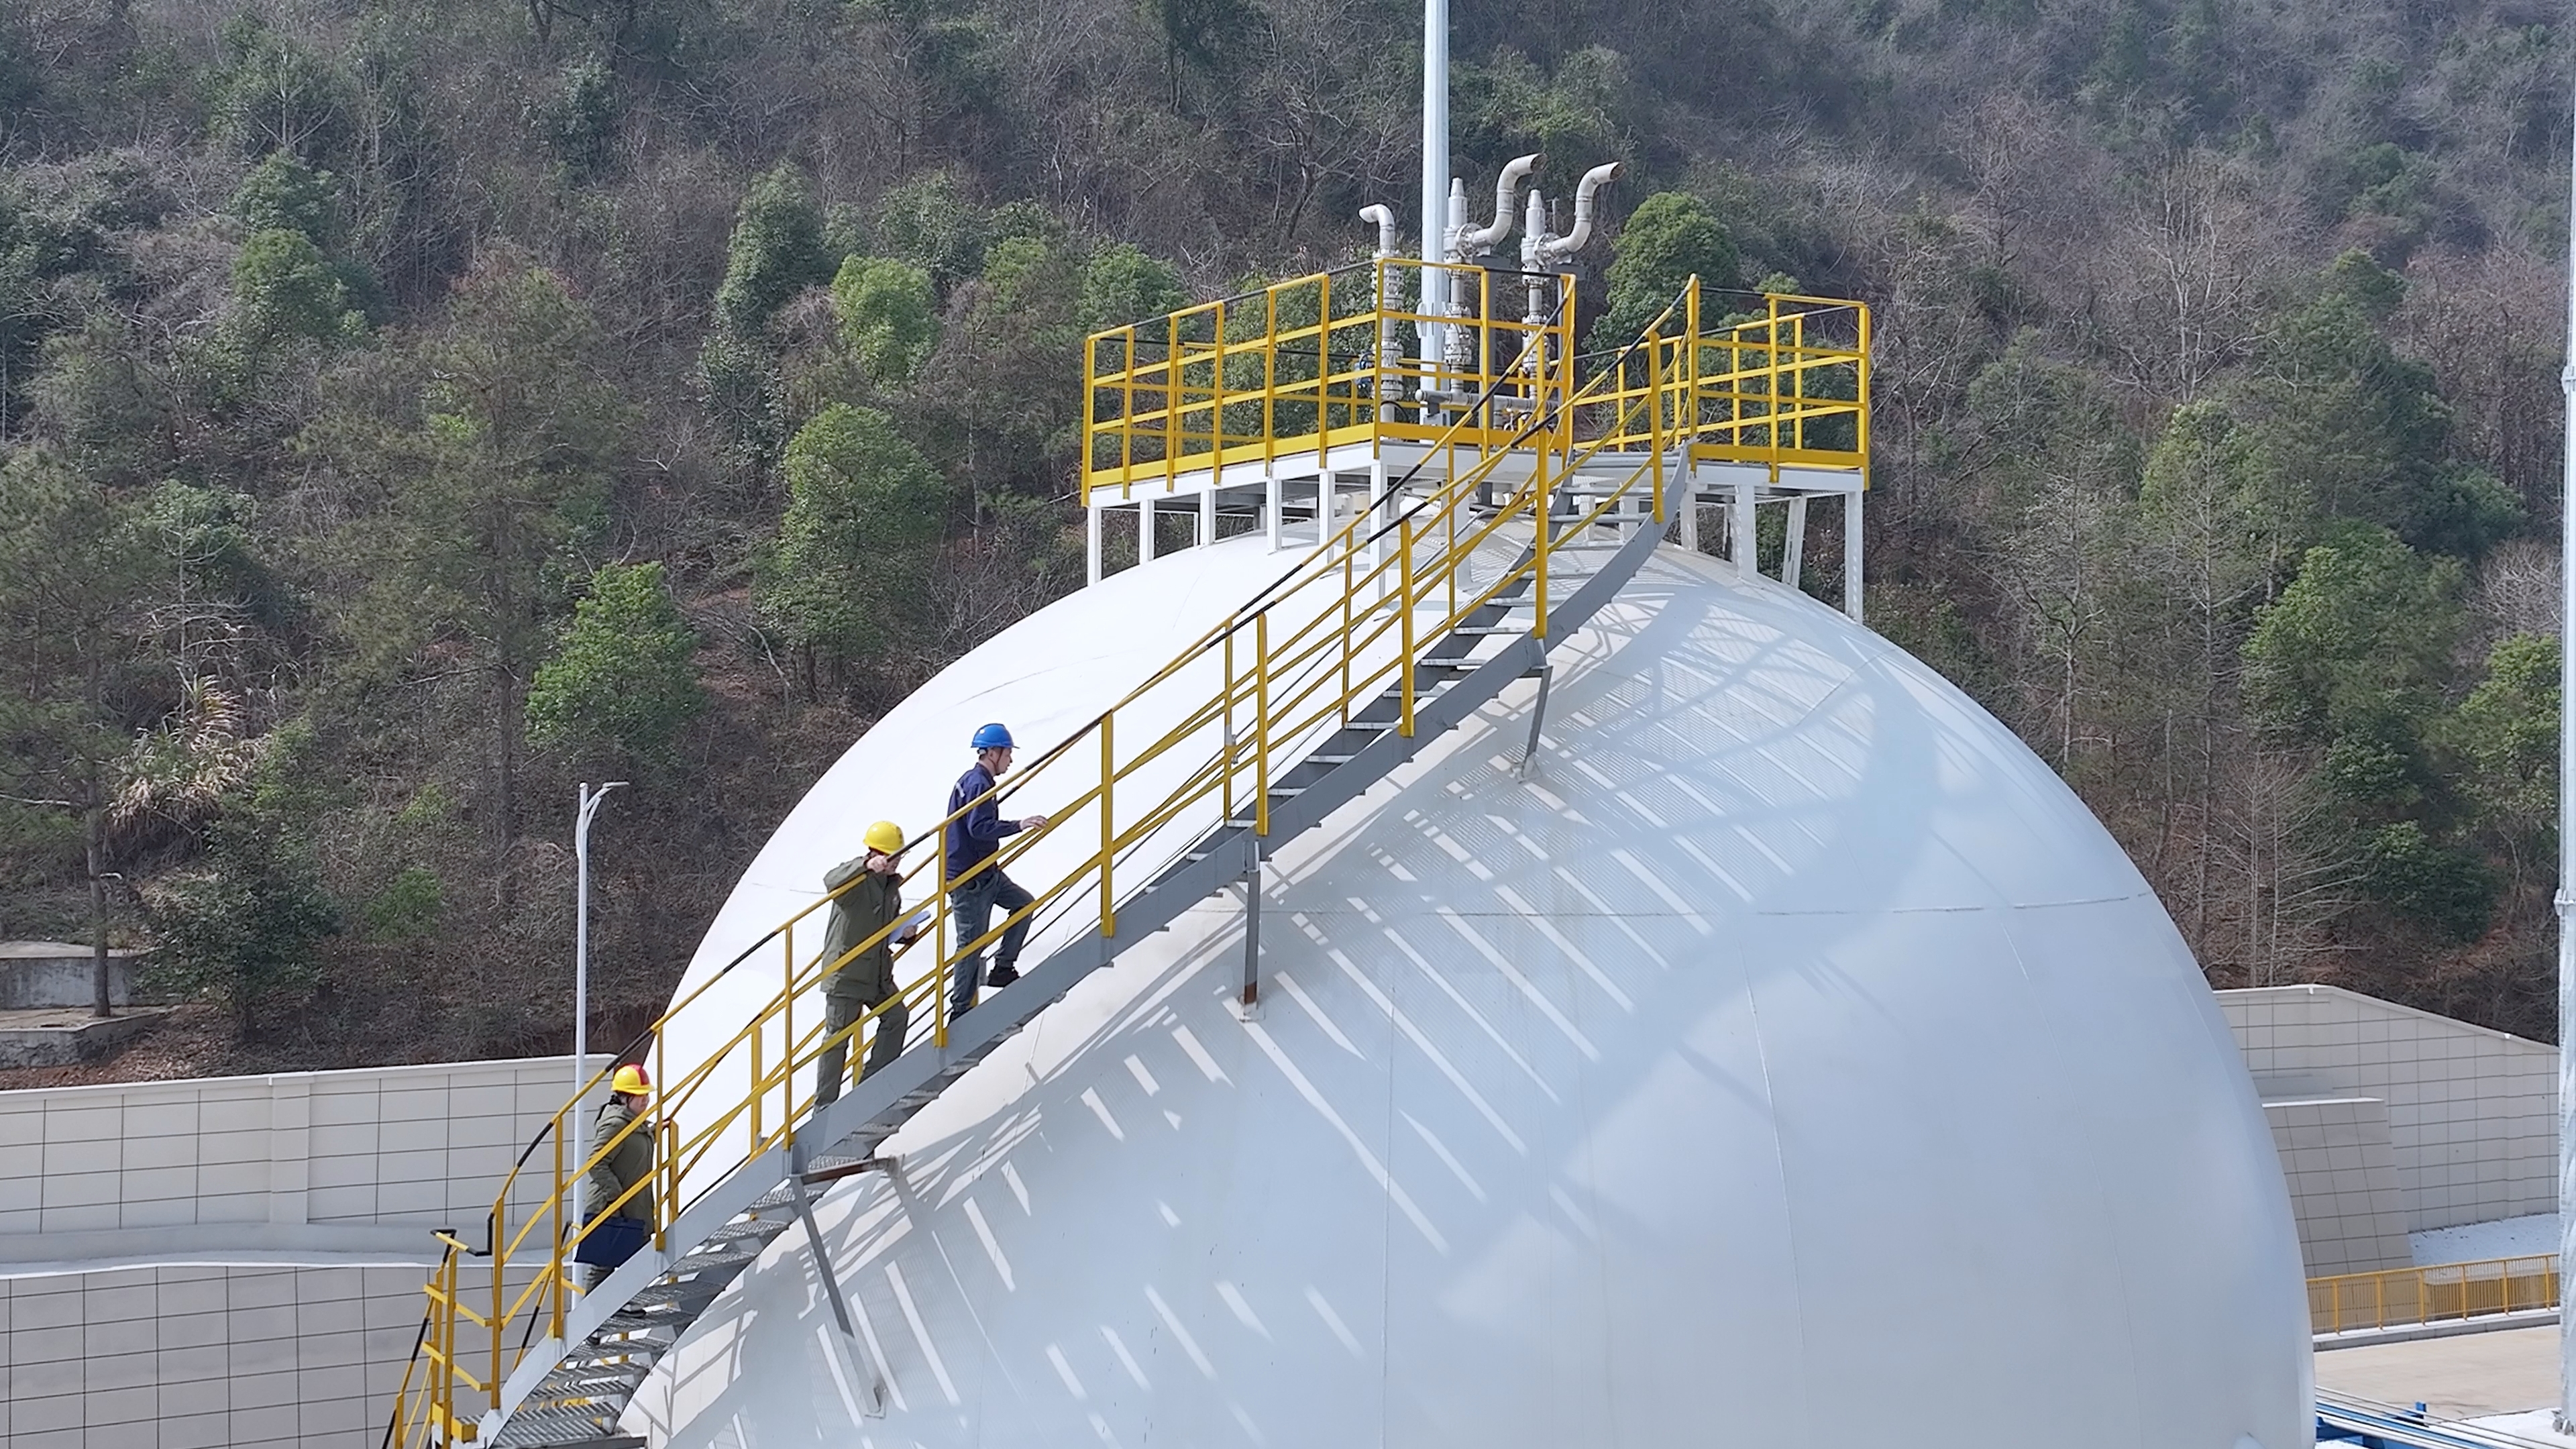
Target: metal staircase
x=1392 y=631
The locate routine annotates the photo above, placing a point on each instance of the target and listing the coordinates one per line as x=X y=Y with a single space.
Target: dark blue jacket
x=975 y=835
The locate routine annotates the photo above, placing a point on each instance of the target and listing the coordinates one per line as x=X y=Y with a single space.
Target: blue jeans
x=972 y=906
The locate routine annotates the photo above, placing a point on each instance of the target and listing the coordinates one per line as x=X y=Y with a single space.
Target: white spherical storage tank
x=1786 y=1057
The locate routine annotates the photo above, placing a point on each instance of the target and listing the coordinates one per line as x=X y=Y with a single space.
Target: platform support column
x=1247 y=1001
x=872 y=1386
x=1748 y=541
x=1145 y=529
x=1271 y=492
x=1793 y=554
x=1207 y=512
x=1091 y=544
x=1378 y=511
x=1690 y=498
x=1325 y=484
x=1851 y=555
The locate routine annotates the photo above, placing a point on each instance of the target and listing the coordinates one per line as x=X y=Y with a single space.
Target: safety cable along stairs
x=1415 y=648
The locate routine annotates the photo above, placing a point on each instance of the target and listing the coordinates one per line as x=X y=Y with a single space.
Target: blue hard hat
x=993 y=737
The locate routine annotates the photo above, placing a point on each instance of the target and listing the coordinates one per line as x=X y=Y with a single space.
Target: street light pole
x=588 y=802
x=2567 y=828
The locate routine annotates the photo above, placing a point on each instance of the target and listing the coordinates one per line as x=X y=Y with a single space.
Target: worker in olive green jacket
x=625 y=1164
x=869 y=899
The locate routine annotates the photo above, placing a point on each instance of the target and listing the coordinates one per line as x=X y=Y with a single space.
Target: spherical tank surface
x=1783 y=1056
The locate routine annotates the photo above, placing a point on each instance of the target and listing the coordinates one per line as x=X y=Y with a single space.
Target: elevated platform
x=1298 y=405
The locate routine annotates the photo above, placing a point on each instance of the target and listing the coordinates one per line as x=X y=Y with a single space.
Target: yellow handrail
x=2436 y=1293
x=1333 y=633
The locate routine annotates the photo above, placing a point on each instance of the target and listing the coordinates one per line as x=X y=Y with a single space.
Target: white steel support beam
x=1690 y=498
x=1145 y=529
x=1793 y=553
x=1851 y=555
x=1748 y=542
x=1325 y=484
x=1377 y=513
x=1091 y=544
x=1207 y=514
x=1271 y=493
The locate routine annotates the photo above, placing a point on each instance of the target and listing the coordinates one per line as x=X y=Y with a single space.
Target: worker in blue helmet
x=977 y=885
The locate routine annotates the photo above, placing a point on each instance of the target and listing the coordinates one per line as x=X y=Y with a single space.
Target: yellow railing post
x=1655 y=421
x=1404 y=607
x=939 y=938
x=1108 y=828
x=1350 y=585
x=1541 y=483
x=1261 y=723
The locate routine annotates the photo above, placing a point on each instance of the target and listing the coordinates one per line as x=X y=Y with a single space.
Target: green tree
x=889 y=318
x=846 y=577
x=2506 y=732
x=507 y=462
x=244 y=927
x=2361 y=429
x=284 y=290
x=72 y=596
x=776 y=250
x=1123 y=285
x=1669 y=238
x=2359 y=642
x=281 y=193
x=621 y=678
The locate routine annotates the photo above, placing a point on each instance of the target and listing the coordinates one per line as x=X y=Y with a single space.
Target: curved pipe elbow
x=1384 y=216
x=1584 y=193
x=1507 y=188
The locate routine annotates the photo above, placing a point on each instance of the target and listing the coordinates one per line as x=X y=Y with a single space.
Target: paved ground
x=2470 y=1376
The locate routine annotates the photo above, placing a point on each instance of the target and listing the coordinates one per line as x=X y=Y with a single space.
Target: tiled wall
x=2472 y=1113
x=188 y=1358
x=414 y=1146
x=229 y=1176
x=2343 y=1183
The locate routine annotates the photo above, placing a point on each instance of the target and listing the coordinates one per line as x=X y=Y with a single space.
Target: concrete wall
x=2343 y=1183
x=37 y=974
x=2472 y=1113
x=238 y=1260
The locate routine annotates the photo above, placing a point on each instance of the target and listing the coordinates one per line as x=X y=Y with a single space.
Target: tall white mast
x=1435 y=160
x=2567 y=831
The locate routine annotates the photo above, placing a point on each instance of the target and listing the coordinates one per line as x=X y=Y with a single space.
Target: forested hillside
x=409 y=410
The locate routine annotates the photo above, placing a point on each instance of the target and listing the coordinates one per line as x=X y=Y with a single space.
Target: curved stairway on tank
x=1393 y=631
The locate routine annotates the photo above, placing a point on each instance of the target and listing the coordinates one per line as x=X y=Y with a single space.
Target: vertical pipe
x=1207 y=511
x=1091 y=545
x=2567 y=839
x=1435 y=164
x=1145 y=529
x=1270 y=500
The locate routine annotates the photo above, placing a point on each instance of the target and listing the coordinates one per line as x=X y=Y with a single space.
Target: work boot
x=1004 y=973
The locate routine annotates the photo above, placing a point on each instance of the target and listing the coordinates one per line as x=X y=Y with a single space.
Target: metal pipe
x=1435 y=161
x=1507 y=190
x=1548 y=251
x=1390 y=354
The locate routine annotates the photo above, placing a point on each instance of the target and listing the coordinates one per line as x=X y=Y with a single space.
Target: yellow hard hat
x=885 y=835
x=630 y=1081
